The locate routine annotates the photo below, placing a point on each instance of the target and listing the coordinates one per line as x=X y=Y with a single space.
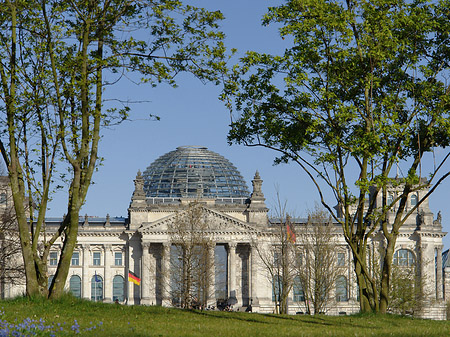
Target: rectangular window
x=414 y=199
x=277 y=259
x=117 y=258
x=299 y=295
x=53 y=258
x=341 y=259
x=97 y=258
x=2 y=198
x=299 y=258
x=75 y=259
x=277 y=288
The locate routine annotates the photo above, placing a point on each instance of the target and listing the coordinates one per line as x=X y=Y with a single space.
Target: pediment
x=215 y=221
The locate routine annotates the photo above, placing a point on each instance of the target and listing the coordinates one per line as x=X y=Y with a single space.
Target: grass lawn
x=98 y=319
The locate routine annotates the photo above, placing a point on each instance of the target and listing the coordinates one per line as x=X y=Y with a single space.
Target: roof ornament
x=107 y=223
x=257 y=193
x=421 y=217
x=438 y=220
x=138 y=198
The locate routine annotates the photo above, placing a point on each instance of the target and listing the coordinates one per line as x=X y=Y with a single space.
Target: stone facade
x=109 y=248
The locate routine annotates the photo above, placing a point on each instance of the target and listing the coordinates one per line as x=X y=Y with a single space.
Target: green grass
x=121 y=320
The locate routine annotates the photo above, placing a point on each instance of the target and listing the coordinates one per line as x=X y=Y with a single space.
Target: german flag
x=133 y=278
x=290 y=233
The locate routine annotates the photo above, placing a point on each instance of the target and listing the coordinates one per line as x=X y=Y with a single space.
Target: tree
x=278 y=256
x=58 y=58
x=11 y=264
x=408 y=293
x=191 y=276
x=361 y=90
x=317 y=267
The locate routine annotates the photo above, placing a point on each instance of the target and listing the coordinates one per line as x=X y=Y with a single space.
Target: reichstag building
x=196 y=187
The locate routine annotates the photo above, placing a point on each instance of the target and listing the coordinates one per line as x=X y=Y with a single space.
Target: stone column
x=439 y=292
x=428 y=286
x=107 y=274
x=165 y=275
x=212 y=274
x=86 y=288
x=232 y=273
x=130 y=285
x=145 y=273
x=254 y=301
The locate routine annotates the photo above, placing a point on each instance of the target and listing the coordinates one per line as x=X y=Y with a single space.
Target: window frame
x=116 y=259
x=341 y=259
x=389 y=199
x=277 y=288
x=404 y=257
x=341 y=289
x=96 y=261
x=121 y=296
x=299 y=259
x=53 y=259
x=50 y=280
x=3 y=198
x=298 y=294
x=413 y=200
x=71 y=286
x=72 y=259
x=96 y=297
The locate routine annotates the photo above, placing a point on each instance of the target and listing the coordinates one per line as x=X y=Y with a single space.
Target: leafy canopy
x=361 y=80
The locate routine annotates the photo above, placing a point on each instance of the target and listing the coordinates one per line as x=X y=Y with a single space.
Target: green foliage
x=144 y=41
x=360 y=88
x=407 y=291
x=58 y=59
x=362 y=77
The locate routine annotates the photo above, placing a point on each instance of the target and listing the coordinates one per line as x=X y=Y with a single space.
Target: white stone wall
x=235 y=226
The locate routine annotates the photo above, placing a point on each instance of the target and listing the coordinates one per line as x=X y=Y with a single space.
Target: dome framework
x=193 y=172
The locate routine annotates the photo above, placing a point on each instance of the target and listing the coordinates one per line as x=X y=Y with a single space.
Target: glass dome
x=193 y=172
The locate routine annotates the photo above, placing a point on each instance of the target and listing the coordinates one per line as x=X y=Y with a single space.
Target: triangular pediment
x=215 y=222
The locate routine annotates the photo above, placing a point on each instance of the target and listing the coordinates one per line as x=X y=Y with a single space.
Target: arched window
x=299 y=295
x=404 y=258
x=341 y=289
x=75 y=286
x=96 y=288
x=118 y=288
x=414 y=199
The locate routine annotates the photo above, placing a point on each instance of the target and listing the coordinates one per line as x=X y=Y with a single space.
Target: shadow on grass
x=265 y=318
x=241 y=316
x=317 y=320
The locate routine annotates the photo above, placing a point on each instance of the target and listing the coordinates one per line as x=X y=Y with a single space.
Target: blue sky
x=192 y=115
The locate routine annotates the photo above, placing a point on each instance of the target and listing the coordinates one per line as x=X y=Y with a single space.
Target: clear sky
x=192 y=115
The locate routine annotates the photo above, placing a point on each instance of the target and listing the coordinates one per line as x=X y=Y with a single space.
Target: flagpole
x=95 y=287
x=128 y=284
